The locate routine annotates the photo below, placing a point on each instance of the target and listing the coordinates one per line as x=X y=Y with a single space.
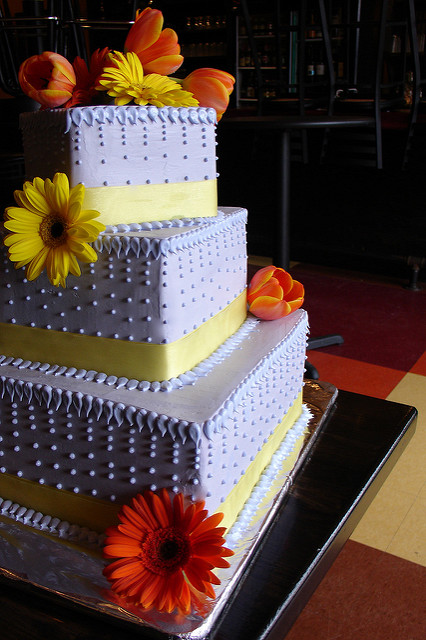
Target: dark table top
x=358 y=445
x=293 y=122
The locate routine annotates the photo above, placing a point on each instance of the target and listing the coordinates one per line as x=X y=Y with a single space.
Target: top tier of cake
x=137 y=163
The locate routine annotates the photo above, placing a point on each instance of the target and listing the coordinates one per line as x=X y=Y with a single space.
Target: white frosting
x=270 y=474
x=92 y=539
x=147 y=286
x=118 y=146
x=98 y=440
x=189 y=377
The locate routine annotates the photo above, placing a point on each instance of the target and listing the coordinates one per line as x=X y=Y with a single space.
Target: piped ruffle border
x=154 y=247
x=142 y=418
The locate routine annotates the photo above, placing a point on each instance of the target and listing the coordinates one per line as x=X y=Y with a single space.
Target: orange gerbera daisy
x=165 y=552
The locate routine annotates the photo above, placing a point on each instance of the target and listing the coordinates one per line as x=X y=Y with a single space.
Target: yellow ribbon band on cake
x=234 y=501
x=97 y=514
x=152 y=202
x=140 y=360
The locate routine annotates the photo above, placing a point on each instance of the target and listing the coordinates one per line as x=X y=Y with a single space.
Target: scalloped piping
x=49 y=524
x=182 y=429
x=272 y=471
x=154 y=247
x=186 y=378
x=161 y=224
x=132 y=114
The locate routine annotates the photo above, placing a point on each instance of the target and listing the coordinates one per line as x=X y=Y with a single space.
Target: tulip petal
x=285 y=280
x=271 y=288
x=164 y=65
x=145 y=31
x=268 y=308
x=297 y=291
x=167 y=44
x=260 y=278
x=295 y=304
x=225 y=78
x=209 y=92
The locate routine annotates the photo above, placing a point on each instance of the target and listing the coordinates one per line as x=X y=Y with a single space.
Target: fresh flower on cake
x=139 y=75
x=157 y=48
x=165 y=553
x=47 y=78
x=49 y=230
x=123 y=79
x=86 y=77
x=211 y=87
x=273 y=294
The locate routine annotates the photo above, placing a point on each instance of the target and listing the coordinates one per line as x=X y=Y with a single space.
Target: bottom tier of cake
x=78 y=450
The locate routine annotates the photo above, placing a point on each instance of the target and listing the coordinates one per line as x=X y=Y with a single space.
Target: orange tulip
x=211 y=88
x=273 y=294
x=47 y=78
x=157 y=49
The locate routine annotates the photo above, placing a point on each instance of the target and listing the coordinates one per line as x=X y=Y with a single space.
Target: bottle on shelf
x=311 y=31
x=320 y=69
x=310 y=65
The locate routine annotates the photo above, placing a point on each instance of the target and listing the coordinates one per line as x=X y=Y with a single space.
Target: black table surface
x=358 y=446
x=293 y=122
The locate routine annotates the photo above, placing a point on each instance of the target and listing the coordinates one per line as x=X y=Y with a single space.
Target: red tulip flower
x=47 y=78
x=87 y=77
x=273 y=294
x=157 y=48
x=211 y=88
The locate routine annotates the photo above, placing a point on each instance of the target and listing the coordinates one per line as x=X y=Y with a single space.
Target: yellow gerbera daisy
x=49 y=229
x=125 y=81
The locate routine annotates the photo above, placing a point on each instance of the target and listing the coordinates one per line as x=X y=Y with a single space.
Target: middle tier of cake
x=161 y=298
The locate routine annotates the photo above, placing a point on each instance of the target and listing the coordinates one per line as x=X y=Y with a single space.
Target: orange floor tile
x=352 y=375
x=420 y=366
x=375 y=589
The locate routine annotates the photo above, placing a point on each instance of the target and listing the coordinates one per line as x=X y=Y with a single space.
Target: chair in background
x=57 y=27
x=307 y=49
x=416 y=83
x=370 y=57
x=100 y=25
x=20 y=37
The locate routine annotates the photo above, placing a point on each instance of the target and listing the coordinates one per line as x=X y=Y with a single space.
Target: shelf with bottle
x=204 y=49
x=205 y=36
x=205 y=23
x=249 y=92
x=267 y=56
x=262 y=25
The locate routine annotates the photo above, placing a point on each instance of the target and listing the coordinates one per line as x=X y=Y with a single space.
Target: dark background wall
x=341 y=215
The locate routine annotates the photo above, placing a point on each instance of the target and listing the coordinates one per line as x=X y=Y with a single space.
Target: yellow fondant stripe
x=143 y=361
x=97 y=515
x=74 y=508
x=150 y=202
x=241 y=492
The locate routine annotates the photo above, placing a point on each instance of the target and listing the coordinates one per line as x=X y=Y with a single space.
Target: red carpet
x=366 y=595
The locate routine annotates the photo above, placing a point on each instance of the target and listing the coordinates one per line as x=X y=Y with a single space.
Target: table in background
x=283 y=126
x=358 y=446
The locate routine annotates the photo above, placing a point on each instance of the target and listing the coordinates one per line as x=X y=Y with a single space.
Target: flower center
x=165 y=550
x=53 y=230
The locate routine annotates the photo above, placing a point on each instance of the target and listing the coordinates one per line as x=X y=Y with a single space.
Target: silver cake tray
x=31 y=559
